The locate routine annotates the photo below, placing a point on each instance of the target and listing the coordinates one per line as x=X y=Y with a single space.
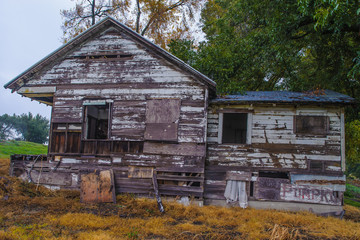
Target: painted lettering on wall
x=310 y=194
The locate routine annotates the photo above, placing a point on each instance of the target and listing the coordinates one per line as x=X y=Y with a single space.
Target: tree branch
x=138 y=16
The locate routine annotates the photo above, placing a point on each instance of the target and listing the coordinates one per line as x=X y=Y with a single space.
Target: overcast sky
x=29 y=30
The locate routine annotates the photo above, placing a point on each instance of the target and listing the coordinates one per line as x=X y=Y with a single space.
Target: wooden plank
x=140 y=172
x=161 y=131
x=342 y=141
x=180 y=178
x=238 y=175
x=310 y=194
x=162 y=110
x=269 y=188
x=51 y=178
x=220 y=127
x=185 y=149
x=89 y=188
x=97 y=187
x=105 y=187
x=156 y=191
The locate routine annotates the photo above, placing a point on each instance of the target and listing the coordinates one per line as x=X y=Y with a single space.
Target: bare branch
x=138 y=16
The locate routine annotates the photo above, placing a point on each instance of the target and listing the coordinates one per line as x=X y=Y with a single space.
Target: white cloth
x=236 y=191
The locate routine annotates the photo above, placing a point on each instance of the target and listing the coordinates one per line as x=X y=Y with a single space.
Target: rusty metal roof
x=310 y=97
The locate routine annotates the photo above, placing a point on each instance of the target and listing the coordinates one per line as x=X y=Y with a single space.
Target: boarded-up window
x=234 y=129
x=317 y=125
x=97 y=121
x=162 y=119
x=268 y=185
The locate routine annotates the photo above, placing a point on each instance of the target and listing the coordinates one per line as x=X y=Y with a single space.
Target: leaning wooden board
x=97 y=187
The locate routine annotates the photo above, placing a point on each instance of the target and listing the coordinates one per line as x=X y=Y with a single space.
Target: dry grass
x=31 y=213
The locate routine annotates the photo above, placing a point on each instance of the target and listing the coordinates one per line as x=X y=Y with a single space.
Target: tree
x=32 y=129
x=7 y=125
x=159 y=20
x=353 y=147
x=267 y=45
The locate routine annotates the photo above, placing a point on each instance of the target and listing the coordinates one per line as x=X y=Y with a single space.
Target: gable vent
x=103 y=57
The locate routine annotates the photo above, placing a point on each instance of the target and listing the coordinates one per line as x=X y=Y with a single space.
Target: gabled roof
x=311 y=97
x=18 y=81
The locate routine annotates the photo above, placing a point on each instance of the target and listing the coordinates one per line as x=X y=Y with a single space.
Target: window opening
x=251 y=189
x=283 y=175
x=234 y=128
x=97 y=121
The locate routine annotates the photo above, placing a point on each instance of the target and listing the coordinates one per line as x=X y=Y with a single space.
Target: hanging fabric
x=236 y=191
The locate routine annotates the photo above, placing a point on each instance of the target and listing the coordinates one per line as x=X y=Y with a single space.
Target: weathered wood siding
x=274 y=145
x=130 y=83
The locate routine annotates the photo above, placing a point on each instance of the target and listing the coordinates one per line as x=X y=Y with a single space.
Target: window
x=65 y=138
x=162 y=119
x=235 y=128
x=317 y=125
x=97 y=120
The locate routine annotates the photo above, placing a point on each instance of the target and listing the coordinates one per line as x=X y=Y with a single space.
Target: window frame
x=96 y=102
x=326 y=127
x=248 y=126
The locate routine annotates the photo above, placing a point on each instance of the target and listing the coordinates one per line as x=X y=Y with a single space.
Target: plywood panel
x=97 y=187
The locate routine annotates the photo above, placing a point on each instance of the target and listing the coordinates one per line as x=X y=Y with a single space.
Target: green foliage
x=352 y=191
x=270 y=45
x=352 y=195
x=352 y=134
x=8 y=148
x=32 y=128
x=183 y=49
x=6 y=125
x=352 y=202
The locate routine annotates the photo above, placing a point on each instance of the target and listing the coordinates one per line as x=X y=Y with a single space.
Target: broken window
x=318 y=125
x=235 y=128
x=162 y=119
x=97 y=120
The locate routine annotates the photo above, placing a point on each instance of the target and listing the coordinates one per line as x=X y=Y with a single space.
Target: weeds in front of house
x=28 y=212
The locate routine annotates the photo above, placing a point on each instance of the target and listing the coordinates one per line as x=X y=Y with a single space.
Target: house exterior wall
x=127 y=83
x=309 y=167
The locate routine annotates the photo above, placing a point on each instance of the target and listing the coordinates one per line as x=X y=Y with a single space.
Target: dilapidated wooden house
x=120 y=102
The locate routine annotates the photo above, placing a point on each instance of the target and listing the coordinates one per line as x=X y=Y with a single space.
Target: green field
x=8 y=148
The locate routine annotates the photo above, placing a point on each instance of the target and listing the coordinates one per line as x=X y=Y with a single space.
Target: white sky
x=29 y=30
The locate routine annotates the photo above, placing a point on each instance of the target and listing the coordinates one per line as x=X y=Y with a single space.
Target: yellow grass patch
x=33 y=212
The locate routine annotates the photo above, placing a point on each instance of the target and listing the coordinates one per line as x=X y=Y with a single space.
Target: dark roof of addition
x=311 y=97
x=100 y=26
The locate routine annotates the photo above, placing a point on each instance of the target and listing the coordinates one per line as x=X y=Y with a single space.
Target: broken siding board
x=186 y=149
x=140 y=172
x=161 y=131
x=51 y=178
